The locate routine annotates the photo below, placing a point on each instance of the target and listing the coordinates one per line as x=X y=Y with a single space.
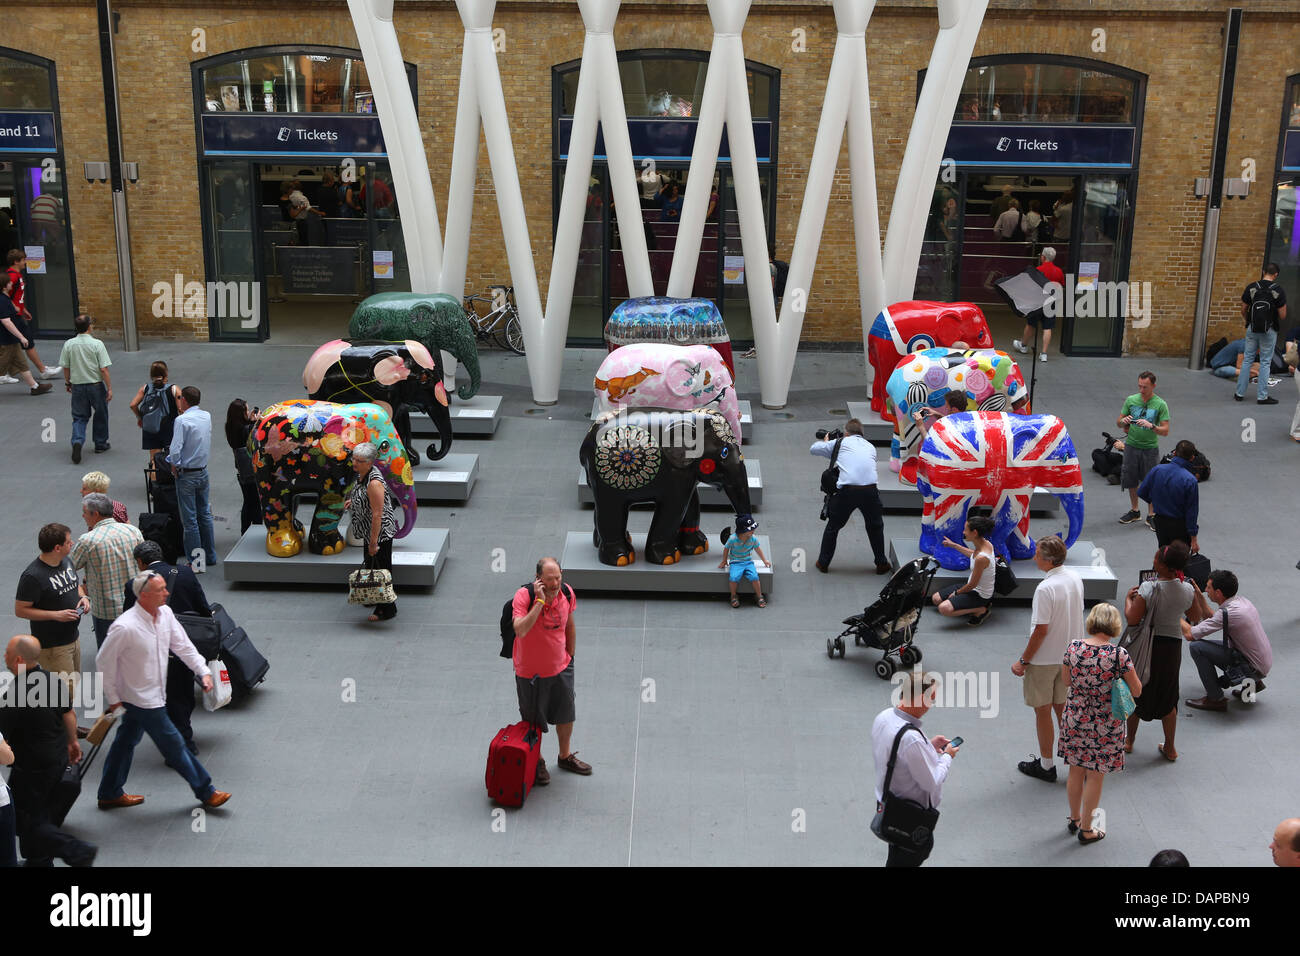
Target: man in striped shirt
x=106 y=552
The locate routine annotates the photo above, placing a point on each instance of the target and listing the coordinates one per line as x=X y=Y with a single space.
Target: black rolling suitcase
x=244 y=662
x=161 y=524
x=65 y=793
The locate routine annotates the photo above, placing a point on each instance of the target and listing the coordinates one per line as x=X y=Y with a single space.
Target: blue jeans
x=102 y=624
x=1261 y=344
x=196 y=516
x=88 y=399
x=1226 y=358
x=136 y=722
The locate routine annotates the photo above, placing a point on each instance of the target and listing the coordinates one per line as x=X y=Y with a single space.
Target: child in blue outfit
x=739 y=549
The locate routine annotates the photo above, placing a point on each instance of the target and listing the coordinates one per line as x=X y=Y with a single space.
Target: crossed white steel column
x=959 y=27
x=373 y=21
x=599 y=100
x=847 y=101
x=726 y=98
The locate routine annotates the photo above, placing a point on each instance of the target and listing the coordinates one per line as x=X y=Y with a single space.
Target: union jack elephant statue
x=995 y=459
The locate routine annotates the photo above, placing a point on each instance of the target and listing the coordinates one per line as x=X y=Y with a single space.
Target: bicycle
x=501 y=323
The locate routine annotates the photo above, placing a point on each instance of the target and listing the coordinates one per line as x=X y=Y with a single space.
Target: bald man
x=37 y=721
x=1286 y=843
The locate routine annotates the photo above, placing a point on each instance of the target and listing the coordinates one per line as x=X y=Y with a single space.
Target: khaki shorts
x=12 y=360
x=1044 y=685
x=65 y=659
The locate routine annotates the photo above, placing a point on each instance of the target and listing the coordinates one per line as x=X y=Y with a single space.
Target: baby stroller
x=890 y=623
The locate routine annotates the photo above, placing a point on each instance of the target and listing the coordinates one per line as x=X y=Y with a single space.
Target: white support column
x=846 y=101
x=600 y=101
x=373 y=22
x=464 y=175
x=959 y=26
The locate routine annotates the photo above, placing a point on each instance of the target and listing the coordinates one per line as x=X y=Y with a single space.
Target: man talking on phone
x=545 y=639
x=1144 y=418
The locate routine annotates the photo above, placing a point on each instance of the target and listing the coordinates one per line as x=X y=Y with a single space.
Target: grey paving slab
x=305 y=766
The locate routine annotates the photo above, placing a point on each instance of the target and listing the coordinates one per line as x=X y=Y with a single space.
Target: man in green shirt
x=1145 y=417
x=85 y=364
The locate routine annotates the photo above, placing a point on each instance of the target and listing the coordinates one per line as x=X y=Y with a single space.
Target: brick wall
x=1179 y=49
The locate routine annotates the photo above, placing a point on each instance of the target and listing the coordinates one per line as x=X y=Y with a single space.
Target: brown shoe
x=543 y=776
x=217 y=799
x=42 y=388
x=574 y=765
x=125 y=800
x=1204 y=703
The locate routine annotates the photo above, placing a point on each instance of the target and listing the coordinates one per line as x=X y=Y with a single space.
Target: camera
x=835 y=434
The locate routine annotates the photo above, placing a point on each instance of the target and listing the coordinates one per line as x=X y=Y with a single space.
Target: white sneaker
x=1019 y=348
x=54 y=371
x=8 y=380
x=1043 y=357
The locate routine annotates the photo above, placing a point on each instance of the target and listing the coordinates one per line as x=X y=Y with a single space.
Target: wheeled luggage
x=246 y=665
x=512 y=763
x=65 y=793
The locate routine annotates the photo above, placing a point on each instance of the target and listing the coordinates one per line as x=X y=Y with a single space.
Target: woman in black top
x=239 y=423
x=161 y=437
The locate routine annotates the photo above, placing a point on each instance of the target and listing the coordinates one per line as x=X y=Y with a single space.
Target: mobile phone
x=956 y=742
x=81 y=612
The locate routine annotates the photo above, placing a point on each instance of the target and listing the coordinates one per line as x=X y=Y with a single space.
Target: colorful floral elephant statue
x=679 y=377
x=995 y=459
x=915 y=326
x=434 y=319
x=659 y=456
x=306 y=447
x=668 y=321
x=991 y=380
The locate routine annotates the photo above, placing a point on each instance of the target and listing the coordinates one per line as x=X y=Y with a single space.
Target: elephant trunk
x=468 y=357
x=738 y=491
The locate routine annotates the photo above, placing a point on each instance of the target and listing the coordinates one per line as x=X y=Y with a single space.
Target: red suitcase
x=512 y=763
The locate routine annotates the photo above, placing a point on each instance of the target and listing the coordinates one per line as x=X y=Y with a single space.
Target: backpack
x=1018 y=233
x=508 y=619
x=1259 y=316
x=153 y=407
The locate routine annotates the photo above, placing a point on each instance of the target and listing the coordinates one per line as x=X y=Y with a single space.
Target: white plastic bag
x=221 y=691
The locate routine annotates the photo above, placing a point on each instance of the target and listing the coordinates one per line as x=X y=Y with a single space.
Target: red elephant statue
x=906 y=327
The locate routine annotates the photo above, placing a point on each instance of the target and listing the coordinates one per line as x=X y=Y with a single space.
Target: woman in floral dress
x=1092 y=738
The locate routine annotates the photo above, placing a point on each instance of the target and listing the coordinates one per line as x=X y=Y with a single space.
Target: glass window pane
x=24 y=86
x=1284 y=245
x=661 y=87
x=1044 y=93
x=301 y=83
x=1294 y=119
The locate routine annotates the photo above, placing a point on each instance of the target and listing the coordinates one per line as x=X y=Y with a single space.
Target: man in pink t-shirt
x=545 y=637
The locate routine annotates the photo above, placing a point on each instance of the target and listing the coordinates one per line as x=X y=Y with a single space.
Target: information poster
x=383 y=264
x=1087 y=275
x=733 y=270
x=35 y=260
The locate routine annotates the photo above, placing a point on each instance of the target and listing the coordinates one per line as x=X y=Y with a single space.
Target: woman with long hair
x=975 y=596
x=155 y=410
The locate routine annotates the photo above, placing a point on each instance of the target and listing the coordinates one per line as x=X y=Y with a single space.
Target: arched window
x=34 y=214
x=1047 y=89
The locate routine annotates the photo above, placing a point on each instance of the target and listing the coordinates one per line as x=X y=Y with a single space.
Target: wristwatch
x=1023 y=662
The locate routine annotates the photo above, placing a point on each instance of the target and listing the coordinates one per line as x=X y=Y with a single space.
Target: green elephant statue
x=434 y=319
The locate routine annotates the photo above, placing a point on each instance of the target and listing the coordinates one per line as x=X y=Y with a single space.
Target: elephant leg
x=611 y=537
x=933 y=532
x=670 y=510
x=1019 y=544
x=324 y=537
x=402 y=423
x=283 y=533
x=690 y=539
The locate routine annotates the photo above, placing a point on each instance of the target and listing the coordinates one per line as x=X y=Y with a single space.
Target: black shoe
x=1033 y=767
x=85 y=856
x=823 y=569
x=1238 y=398
x=1266 y=401
x=1130 y=517
x=1151 y=522
x=100 y=451
x=543 y=776
x=975 y=620
x=76 y=453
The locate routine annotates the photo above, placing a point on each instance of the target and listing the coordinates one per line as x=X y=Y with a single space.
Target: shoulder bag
x=830 y=480
x=900 y=821
x=371 y=586
x=1136 y=639
x=1122 y=704
x=1004 y=579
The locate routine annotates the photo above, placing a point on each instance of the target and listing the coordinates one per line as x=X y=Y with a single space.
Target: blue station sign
x=1018 y=144
x=27 y=132
x=1291 y=151
x=291 y=134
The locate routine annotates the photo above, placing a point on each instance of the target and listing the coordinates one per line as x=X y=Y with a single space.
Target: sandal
x=1072 y=825
x=735 y=602
x=1101 y=835
x=762 y=601
x=1161 y=748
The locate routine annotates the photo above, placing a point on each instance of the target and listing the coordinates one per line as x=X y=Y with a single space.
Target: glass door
x=34 y=217
x=232 y=238
x=1102 y=236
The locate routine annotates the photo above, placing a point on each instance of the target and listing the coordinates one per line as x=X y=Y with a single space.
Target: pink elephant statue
x=678 y=377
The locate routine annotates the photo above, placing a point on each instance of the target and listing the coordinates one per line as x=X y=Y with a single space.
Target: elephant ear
x=390 y=370
x=627 y=457
x=421 y=354
x=325 y=356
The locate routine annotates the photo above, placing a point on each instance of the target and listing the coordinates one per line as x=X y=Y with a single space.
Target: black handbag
x=830 y=480
x=1239 y=669
x=1004 y=579
x=899 y=821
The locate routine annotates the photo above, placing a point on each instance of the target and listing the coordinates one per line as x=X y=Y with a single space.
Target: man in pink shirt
x=545 y=637
x=1245 y=645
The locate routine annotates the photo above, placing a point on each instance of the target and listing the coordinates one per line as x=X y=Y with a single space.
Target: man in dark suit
x=187 y=597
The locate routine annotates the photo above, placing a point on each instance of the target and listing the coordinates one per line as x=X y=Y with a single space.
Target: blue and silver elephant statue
x=995 y=459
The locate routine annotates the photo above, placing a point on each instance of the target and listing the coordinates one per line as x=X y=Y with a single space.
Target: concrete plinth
x=449 y=479
x=477 y=417
x=697 y=574
x=873 y=429
x=417 y=561
x=1099 y=582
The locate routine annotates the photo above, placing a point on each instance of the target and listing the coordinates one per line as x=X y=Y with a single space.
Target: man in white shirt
x=921 y=766
x=1057 y=619
x=133 y=662
x=1008 y=222
x=855 y=491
